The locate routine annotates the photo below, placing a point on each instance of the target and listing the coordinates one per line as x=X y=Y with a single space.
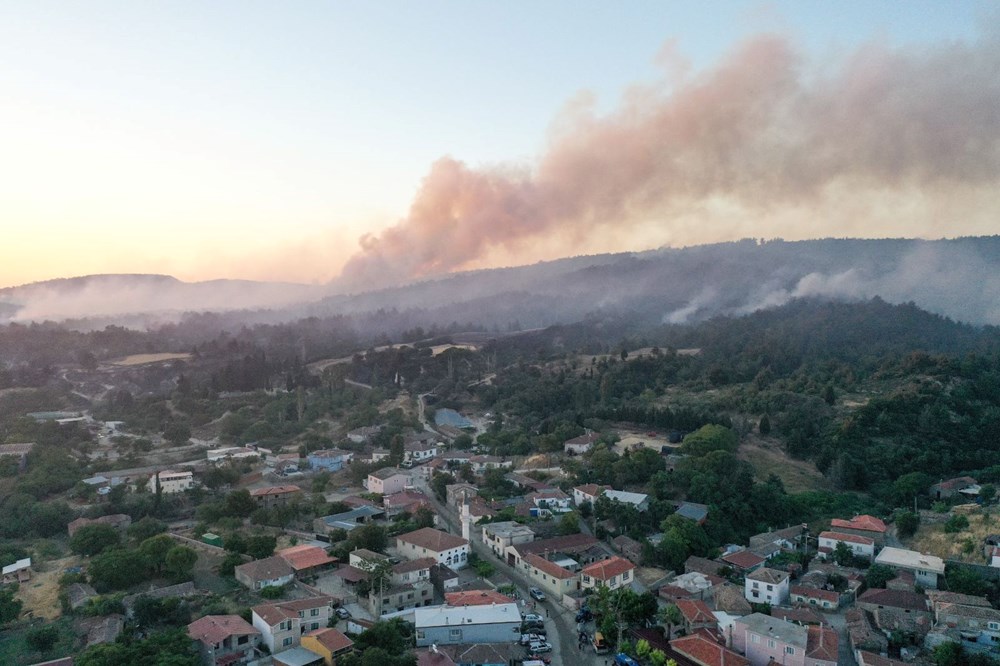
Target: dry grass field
x=142 y=359
x=768 y=458
x=933 y=540
x=41 y=593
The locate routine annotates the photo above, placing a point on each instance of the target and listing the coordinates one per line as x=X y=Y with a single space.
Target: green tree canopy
x=709 y=438
x=93 y=539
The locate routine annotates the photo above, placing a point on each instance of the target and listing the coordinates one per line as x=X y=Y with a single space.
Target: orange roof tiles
x=331 y=639
x=608 y=569
x=432 y=539
x=706 y=652
x=695 y=611
x=213 y=629
x=551 y=568
x=305 y=557
x=475 y=598
x=863 y=522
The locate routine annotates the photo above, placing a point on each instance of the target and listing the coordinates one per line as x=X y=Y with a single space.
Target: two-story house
x=766 y=586
x=863 y=525
x=444 y=625
x=269 y=572
x=171 y=482
x=282 y=624
x=765 y=640
x=925 y=568
x=327 y=642
x=275 y=496
x=612 y=573
x=225 y=639
x=418 y=452
x=498 y=536
x=447 y=549
x=330 y=460
x=552 y=578
x=553 y=500
x=860 y=546
x=696 y=615
x=588 y=492
x=387 y=481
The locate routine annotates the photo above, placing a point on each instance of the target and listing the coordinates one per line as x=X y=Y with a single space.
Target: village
x=532 y=575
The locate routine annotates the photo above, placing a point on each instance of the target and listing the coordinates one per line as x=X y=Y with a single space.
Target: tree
x=370 y=536
x=878 y=575
x=117 y=569
x=671 y=616
x=239 y=504
x=10 y=607
x=440 y=483
x=43 y=638
x=177 y=433
x=93 y=539
x=843 y=555
x=260 y=546
x=987 y=492
x=586 y=509
x=172 y=647
x=569 y=524
x=709 y=438
x=764 y=427
x=229 y=563
x=949 y=654
x=956 y=523
x=180 y=562
x=907 y=523
x=155 y=550
x=423 y=517
x=146 y=527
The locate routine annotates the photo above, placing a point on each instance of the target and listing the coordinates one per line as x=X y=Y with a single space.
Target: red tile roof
x=743 y=559
x=305 y=557
x=822 y=644
x=551 y=568
x=695 y=611
x=894 y=599
x=864 y=522
x=331 y=639
x=849 y=538
x=592 y=489
x=566 y=544
x=608 y=569
x=816 y=593
x=287 y=610
x=213 y=629
x=414 y=565
x=432 y=539
x=706 y=652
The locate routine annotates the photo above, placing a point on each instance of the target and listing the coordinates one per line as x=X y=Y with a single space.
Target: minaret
x=466 y=518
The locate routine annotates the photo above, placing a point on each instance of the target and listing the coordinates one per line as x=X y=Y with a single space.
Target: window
x=994 y=626
x=455 y=634
x=756 y=585
x=315 y=626
x=287 y=641
x=420 y=634
x=242 y=640
x=770 y=588
x=302 y=614
x=625 y=575
x=789 y=650
x=771 y=644
x=314 y=612
x=754 y=638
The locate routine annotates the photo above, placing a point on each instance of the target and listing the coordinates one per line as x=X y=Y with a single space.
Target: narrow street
x=560 y=623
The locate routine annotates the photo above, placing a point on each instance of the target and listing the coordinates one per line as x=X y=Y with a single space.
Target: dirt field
x=142 y=359
x=933 y=540
x=632 y=440
x=41 y=593
x=768 y=458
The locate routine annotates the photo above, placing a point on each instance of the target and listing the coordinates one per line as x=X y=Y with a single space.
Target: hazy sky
x=261 y=139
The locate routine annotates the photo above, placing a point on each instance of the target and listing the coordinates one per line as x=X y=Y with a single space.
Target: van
x=600 y=645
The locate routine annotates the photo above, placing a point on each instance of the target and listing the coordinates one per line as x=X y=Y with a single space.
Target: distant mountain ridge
x=957 y=278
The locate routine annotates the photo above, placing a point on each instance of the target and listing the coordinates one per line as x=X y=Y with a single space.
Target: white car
x=528 y=639
x=538 y=647
x=536 y=594
x=532 y=617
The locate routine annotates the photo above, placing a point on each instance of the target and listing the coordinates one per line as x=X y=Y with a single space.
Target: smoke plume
x=888 y=141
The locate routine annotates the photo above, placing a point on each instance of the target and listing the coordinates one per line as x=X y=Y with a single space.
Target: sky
x=277 y=141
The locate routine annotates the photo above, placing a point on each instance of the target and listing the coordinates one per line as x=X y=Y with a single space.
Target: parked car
x=536 y=594
x=533 y=628
x=584 y=615
x=528 y=639
x=622 y=659
x=538 y=647
x=532 y=617
x=343 y=613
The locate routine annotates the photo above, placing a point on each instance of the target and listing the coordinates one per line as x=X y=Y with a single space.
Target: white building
x=638 y=500
x=612 y=573
x=171 y=482
x=498 y=536
x=443 y=625
x=925 y=568
x=766 y=586
x=447 y=549
x=860 y=546
x=418 y=452
x=387 y=481
x=588 y=493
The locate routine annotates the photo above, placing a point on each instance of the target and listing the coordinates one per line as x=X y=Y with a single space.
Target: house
x=638 y=500
x=482 y=463
x=19 y=451
x=444 y=625
x=628 y=547
x=730 y=599
x=387 y=481
x=119 y=521
x=589 y=492
x=473 y=654
x=402 y=596
x=231 y=453
x=330 y=460
x=789 y=539
x=78 y=594
x=703 y=651
x=18 y=572
x=612 y=573
x=225 y=639
x=475 y=598
x=580 y=445
x=697 y=615
x=977 y=628
x=456 y=493
x=327 y=642
x=102 y=629
x=742 y=561
x=274 y=496
x=692 y=585
x=171 y=482
x=863 y=634
x=526 y=482
x=347 y=520
x=959 y=485
x=499 y=536
x=178 y=591
x=815 y=596
x=925 y=568
x=822 y=648
x=938 y=597
x=859 y=546
x=446 y=549
x=282 y=624
x=552 y=578
x=553 y=500
x=364 y=434
x=863 y=525
x=872 y=659
x=570 y=544
x=909 y=603
x=408 y=501
x=306 y=560
x=762 y=638
x=693 y=511
x=297 y=656
x=269 y=572
x=766 y=586
x=418 y=452
x=703 y=565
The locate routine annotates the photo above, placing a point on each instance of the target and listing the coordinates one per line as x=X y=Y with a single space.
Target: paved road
x=560 y=625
